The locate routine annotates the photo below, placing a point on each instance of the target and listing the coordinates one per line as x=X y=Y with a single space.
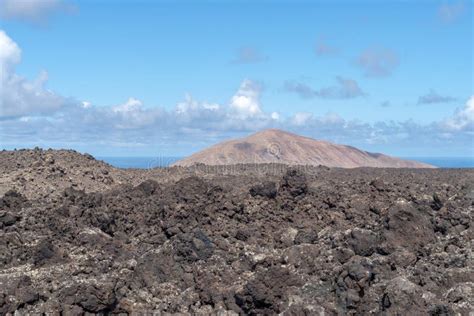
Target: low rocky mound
x=262 y=240
x=276 y=146
x=43 y=173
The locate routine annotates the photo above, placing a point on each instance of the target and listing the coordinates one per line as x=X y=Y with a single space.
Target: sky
x=151 y=78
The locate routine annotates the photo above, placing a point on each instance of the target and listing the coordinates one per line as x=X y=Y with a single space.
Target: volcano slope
x=244 y=239
x=279 y=146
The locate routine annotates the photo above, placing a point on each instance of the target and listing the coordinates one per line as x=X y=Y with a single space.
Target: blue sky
x=172 y=77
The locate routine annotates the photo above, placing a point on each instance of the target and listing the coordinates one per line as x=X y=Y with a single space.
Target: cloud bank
x=32 y=115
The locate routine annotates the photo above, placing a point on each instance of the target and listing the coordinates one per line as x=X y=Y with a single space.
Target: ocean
x=446 y=162
x=153 y=162
x=139 y=162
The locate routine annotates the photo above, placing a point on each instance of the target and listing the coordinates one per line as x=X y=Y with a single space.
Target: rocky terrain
x=277 y=146
x=79 y=237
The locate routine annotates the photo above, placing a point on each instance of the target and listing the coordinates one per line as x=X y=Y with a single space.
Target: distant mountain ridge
x=277 y=146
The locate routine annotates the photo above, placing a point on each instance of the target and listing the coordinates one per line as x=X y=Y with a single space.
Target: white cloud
x=86 y=104
x=246 y=102
x=131 y=115
x=332 y=118
x=193 y=114
x=132 y=105
x=463 y=119
x=190 y=105
x=30 y=10
x=10 y=53
x=301 y=118
x=20 y=96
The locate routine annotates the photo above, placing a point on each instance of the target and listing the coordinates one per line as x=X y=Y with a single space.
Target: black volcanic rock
x=267 y=189
x=251 y=239
x=294 y=182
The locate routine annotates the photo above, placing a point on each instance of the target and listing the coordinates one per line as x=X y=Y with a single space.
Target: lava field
x=79 y=237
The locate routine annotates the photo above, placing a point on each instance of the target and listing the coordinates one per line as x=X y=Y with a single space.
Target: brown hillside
x=278 y=146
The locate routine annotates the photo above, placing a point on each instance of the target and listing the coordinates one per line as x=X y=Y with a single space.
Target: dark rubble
x=291 y=241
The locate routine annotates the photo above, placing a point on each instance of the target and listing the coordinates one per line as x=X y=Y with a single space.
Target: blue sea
x=152 y=162
x=139 y=162
x=446 y=162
